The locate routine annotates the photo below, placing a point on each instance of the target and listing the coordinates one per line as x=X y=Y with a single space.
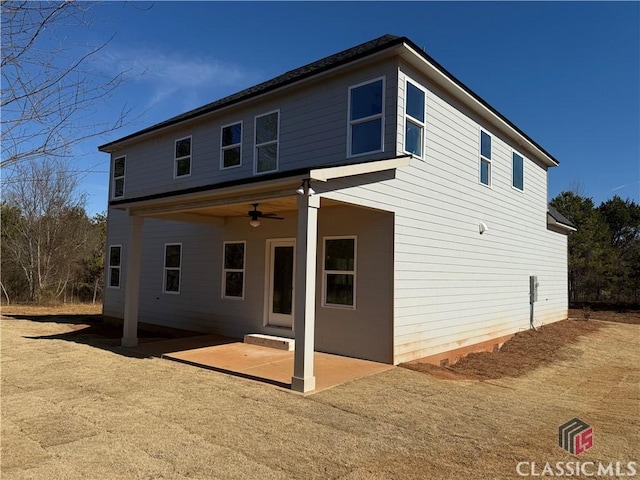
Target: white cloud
x=173 y=73
x=625 y=186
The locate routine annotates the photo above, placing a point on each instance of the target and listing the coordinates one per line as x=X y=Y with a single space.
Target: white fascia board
x=324 y=174
x=466 y=98
x=552 y=222
x=227 y=195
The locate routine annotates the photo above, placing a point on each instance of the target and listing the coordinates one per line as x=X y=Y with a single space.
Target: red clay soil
x=524 y=352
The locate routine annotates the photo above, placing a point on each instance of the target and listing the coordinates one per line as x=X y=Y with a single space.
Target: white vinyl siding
x=115 y=264
x=452 y=286
x=267 y=128
x=312 y=132
x=366 y=118
x=233 y=261
x=200 y=306
x=172 y=267
x=118 y=172
x=231 y=146
x=182 y=159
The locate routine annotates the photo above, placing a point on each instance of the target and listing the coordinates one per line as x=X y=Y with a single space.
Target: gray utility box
x=533 y=288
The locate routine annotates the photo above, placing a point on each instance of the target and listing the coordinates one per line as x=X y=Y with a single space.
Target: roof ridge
x=291 y=76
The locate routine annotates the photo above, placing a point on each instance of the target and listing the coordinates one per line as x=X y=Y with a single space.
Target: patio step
x=281 y=343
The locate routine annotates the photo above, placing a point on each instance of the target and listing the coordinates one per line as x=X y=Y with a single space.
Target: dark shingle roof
x=558 y=217
x=287 y=78
x=319 y=66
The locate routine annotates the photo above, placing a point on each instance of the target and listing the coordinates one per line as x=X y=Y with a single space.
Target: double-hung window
x=485 y=158
x=266 y=142
x=517 y=171
x=339 y=272
x=414 y=120
x=231 y=150
x=115 y=263
x=366 y=118
x=182 y=163
x=172 y=267
x=117 y=187
x=233 y=270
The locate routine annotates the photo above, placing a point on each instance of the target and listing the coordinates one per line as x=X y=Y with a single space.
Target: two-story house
x=368 y=204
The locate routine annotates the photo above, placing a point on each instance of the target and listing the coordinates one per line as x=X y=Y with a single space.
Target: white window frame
x=114 y=178
x=229 y=147
x=413 y=120
x=264 y=144
x=483 y=158
x=326 y=272
x=381 y=115
x=165 y=268
x=118 y=267
x=513 y=151
x=176 y=159
x=225 y=270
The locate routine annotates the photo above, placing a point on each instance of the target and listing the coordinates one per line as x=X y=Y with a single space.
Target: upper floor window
x=231 y=150
x=517 y=171
x=366 y=111
x=233 y=270
x=339 y=272
x=117 y=187
x=172 y=267
x=485 y=158
x=266 y=141
x=182 y=164
x=414 y=120
x=115 y=262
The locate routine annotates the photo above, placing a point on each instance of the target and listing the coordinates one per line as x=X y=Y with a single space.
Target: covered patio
x=301 y=192
x=259 y=363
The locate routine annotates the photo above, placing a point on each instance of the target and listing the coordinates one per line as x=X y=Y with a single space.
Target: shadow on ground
x=92 y=330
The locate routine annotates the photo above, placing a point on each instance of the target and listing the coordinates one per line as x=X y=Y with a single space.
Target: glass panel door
x=281 y=281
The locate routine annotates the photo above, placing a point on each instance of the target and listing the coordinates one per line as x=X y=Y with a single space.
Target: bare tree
x=47 y=233
x=49 y=89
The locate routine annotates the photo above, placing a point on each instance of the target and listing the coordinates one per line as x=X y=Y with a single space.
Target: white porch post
x=132 y=279
x=303 y=379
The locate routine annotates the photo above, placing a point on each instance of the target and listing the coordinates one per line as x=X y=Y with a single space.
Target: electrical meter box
x=533 y=288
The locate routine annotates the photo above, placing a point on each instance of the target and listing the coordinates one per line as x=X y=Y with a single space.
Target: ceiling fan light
x=254 y=222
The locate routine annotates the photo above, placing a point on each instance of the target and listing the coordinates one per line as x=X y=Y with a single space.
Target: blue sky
x=567 y=73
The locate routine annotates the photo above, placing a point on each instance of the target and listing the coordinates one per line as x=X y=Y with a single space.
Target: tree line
x=604 y=252
x=52 y=251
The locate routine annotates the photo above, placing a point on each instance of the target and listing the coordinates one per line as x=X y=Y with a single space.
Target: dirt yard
x=82 y=409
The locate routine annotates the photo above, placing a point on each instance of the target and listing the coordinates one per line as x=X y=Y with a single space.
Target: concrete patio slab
x=255 y=362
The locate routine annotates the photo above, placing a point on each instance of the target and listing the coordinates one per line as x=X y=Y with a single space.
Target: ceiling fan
x=256 y=214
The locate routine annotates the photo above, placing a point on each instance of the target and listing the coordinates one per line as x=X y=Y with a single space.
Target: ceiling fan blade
x=255 y=214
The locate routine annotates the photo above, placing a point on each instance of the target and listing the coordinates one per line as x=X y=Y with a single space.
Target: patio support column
x=303 y=379
x=132 y=279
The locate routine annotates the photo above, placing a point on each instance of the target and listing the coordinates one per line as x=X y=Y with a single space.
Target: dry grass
x=620 y=316
x=527 y=350
x=62 y=309
x=82 y=411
